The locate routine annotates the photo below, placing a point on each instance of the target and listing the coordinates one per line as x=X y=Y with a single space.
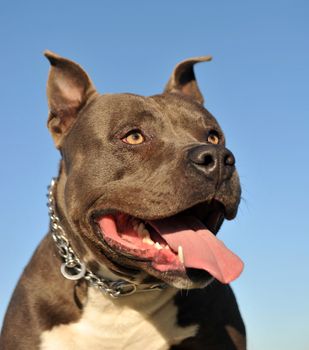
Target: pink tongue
x=201 y=248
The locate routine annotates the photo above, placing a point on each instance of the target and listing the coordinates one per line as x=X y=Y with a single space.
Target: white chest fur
x=139 y=322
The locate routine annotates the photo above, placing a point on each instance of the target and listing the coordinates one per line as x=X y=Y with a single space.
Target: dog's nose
x=216 y=162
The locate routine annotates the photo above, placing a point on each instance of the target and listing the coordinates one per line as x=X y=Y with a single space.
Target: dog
x=132 y=260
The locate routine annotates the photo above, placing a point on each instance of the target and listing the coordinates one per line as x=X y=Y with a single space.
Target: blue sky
x=256 y=86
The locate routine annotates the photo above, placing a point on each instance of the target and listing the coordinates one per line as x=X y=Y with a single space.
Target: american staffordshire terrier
x=132 y=260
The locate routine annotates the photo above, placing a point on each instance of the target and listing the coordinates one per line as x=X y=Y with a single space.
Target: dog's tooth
x=146 y=233
x=180 y=255
x=141 y=227
x=143 y=234
x=158 y=246
x=148 y=241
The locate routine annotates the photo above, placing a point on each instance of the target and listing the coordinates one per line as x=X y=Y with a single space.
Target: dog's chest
x=147 y=321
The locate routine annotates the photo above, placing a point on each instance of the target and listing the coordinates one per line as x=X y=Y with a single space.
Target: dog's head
x=145 y=182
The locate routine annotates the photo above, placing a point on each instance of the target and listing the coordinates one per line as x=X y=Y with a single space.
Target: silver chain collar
x=74 y=269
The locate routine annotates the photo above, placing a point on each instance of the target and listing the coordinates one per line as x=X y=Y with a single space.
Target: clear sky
x=257 y=86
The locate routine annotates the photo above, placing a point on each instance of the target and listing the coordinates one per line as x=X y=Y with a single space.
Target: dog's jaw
x=141 y=244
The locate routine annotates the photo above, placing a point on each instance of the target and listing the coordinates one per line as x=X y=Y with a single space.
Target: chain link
x=73 y=269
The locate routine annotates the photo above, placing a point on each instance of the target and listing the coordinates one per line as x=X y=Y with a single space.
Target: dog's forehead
x=122 y=106
x=182 y=109
x=129 y=108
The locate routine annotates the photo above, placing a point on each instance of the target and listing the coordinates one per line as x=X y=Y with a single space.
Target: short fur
x=159 y=178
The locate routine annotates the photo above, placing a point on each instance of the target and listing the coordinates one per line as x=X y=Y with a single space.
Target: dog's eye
x=213 y=138
x=134 y=137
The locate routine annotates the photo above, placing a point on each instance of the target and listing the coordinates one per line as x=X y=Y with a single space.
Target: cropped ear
x=183 y=79
x=69 y=89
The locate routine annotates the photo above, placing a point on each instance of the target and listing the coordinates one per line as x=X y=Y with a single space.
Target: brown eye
x=213 y=138
x=134 y=137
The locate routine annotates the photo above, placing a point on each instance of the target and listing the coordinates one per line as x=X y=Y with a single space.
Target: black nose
x=216 y=162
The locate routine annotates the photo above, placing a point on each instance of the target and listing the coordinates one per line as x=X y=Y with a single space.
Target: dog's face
x=142 y=176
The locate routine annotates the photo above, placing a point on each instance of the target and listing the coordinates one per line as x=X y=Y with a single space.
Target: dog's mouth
x=178 y=243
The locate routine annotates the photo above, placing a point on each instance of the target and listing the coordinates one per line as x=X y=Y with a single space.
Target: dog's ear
x=183 y=79
x=68 y=90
